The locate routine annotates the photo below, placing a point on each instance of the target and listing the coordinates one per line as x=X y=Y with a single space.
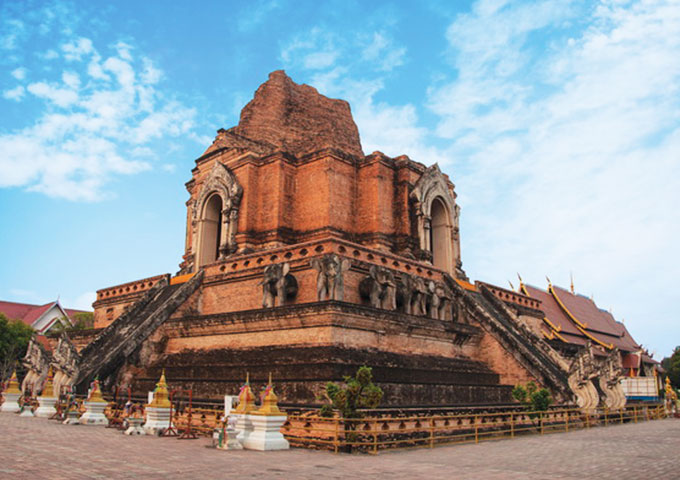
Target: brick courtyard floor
x=32 y=448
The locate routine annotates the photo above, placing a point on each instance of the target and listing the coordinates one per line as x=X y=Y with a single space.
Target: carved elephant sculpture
x=330 y=283
x=380 y=288
x=277 y=284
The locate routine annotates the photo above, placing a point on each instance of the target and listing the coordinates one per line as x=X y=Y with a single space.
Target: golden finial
x=520 y=279
x=96 y=394
x=13 y=386
x=246 y=399
x=549 y=282
x=269 y=401
x=512 y=287
x=160 y=394
x=48 y=391
x=571 y=277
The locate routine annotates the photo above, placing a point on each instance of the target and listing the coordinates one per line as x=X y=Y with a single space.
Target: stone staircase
x=121 y=338
x=529 y=349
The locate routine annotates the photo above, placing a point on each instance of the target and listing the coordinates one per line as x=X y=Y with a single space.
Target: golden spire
x=160 y=394
x=269 y=401
x=48 y=391
x=96 y=394
x=246 y=399
x=13 y=386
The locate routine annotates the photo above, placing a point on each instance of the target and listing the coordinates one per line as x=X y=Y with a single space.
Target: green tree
x=14 y=338
x=534 y=399
x=672 y=366
x=81 y=321
x=358 y=392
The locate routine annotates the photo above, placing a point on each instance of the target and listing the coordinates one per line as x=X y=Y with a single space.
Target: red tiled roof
x=16 y=311
x=599 y=324
x=35 y=314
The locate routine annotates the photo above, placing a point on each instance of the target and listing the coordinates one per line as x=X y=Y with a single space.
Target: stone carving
x=441 y=299
x=380 y=288
x=277 y=284
x=330 y=283
x=610 y=381
x=581 y=374
x=65 y=363
x=36 y=361
x=419 y=296
x=222 y=182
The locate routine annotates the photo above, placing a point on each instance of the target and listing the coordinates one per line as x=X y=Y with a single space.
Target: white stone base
x=72 y=418
x=157 y=420
x=27 y=411
x=266 y=433
x=46 y=408
x=11 y=403
x=135 y=427
x=243 y=426
x=94 y=414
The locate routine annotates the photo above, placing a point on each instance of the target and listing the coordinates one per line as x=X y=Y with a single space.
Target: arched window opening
x=211 y=230
x=440 y=235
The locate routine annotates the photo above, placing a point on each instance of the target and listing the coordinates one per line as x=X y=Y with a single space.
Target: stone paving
x=32 y=448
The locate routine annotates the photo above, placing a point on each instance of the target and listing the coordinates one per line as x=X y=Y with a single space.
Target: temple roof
x=577 y=319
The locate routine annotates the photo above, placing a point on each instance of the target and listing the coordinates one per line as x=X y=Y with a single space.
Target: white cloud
x=74 y=50
x=383 y=54
x=19 y=73
x=91 y=131
x=567 y=151
x=13 y=30
x=16 y=93
x=61 y=97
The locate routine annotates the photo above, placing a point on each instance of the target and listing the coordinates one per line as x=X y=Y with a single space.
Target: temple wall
x=501 y=361
x=330 y=325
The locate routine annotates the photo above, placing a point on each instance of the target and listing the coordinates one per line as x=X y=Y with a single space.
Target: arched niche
x=214 y=217
x=210 y=230
x=436 y=214
x=441 y=239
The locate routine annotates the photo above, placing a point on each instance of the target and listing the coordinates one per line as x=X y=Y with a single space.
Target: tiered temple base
x=266 y=433
x=46 y=408
x=302 y=374
x=94 y=414
x=11 y=403
x=157 y=420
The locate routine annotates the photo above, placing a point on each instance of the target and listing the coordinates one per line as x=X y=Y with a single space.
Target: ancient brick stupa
x=307 y=258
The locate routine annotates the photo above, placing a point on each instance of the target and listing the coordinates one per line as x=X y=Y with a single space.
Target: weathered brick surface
x=37 y=448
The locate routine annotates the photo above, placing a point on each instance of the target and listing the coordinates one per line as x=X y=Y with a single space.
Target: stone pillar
x=94 y=408
x=158 y=412
x=266 y=424
x=11 y=396
x=47 y=400
x=246 y=405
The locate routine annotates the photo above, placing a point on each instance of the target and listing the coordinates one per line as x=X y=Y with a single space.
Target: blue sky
x=559 y=123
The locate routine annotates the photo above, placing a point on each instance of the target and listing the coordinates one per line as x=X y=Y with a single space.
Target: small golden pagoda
x=13 y=385
x=96 y=394
x=246 y=399
x=160 y=394
x=48 y=391
x=269 y=401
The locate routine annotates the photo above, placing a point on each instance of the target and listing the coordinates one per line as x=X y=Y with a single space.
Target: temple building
x=307 y=258
x=42 y=318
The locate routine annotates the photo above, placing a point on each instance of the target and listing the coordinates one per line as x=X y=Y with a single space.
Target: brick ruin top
x=292 y=118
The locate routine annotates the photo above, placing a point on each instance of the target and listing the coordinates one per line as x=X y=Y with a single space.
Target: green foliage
x=358 y=392
x=534 y=399
x=672 y=366
x=14 y=338
x=81 y=321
